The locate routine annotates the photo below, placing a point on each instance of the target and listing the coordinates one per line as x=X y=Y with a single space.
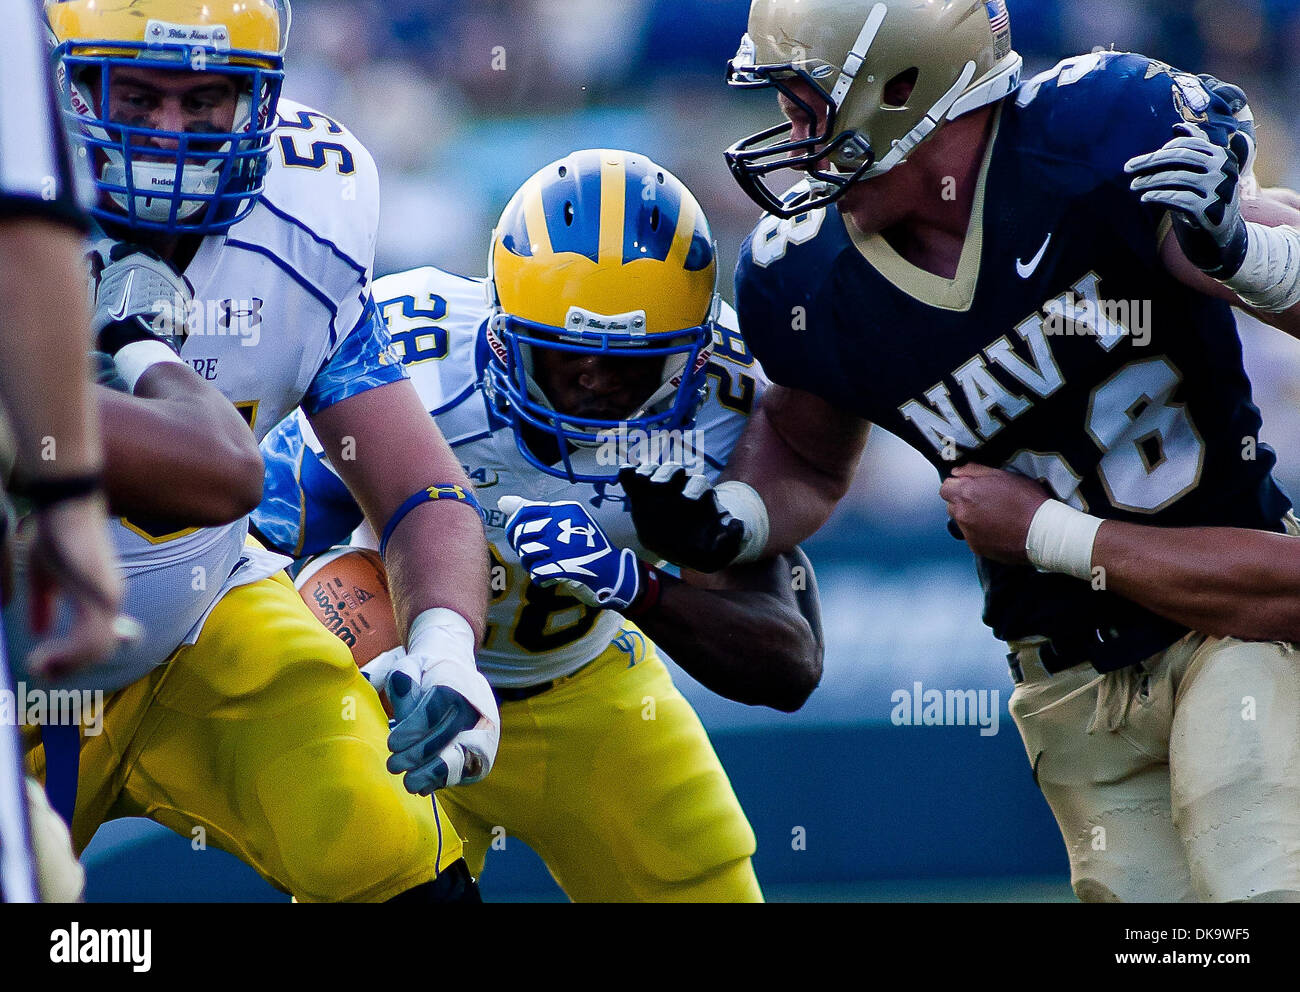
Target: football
x=347 y=590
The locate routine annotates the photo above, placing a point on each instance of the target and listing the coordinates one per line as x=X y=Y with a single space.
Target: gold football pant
x=1176 y=780
x=611 y=779
x=264 y=740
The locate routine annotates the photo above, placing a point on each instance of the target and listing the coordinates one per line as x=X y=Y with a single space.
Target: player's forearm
x=437 y=554
x=1273 y=208
x=178 y=450
x=1216 y=580
x=46 y=336
x=746 y=646
x=440 y=559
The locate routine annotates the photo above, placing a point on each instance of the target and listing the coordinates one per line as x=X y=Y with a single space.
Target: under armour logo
x=567 y=531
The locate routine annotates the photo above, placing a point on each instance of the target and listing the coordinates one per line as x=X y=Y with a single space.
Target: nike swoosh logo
x=120 y=312
x=1027 y=269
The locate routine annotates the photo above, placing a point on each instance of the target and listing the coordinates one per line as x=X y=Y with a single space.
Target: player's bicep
x=828 y=439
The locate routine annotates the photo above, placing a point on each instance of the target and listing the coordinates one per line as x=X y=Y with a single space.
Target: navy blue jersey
x=1062 y=349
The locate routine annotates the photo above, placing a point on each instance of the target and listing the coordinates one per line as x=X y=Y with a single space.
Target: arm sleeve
x=36 y=175
x=364 y=360
x=306 y=508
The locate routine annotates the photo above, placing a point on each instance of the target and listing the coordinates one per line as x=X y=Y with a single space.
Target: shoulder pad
x=1094 y=112
x=434 y=317
x=323 y=180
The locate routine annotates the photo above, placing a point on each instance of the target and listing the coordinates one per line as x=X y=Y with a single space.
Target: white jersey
x=283 y=316
x=438 y=320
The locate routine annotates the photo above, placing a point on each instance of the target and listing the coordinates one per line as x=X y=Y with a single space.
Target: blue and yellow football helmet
x=601 y=253
x=207 y=181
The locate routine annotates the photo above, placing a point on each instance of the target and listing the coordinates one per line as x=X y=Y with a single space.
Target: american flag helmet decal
x=1000 y=25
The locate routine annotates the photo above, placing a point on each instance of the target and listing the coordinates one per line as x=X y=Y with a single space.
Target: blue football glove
x=561 y=544
x=1197 y=176
x=446 y=726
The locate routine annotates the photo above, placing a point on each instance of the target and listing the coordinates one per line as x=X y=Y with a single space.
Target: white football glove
x=1197 y=176
x=139 y=305
x=133 y=284
x=446 y=725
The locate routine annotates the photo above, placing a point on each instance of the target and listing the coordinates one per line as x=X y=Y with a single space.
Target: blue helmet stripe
x=650 y=216
x=577 y=232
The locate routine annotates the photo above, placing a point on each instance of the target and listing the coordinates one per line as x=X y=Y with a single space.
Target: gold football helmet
x=888 y=73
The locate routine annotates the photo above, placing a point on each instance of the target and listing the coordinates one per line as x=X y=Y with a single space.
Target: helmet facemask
x=512 y=380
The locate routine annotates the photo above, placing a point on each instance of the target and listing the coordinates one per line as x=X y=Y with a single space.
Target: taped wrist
x=442 y=634
x=744 y=503
x=1060 y=539
x=445 y=638
x=1269 y=278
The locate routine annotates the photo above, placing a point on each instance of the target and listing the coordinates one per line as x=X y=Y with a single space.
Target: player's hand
x=1197 y=176
x=1235 y=98
x=993 y=509
x=446 y=725
x=136 y=295
x=70 y=558
x=561 y=544
x=677 y=516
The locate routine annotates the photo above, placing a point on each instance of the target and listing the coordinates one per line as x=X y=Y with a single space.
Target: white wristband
x=138 y=357
x=1060 y=539
x=1269 y=278
x=743 y=502
x=442 y=634
x=445 y=639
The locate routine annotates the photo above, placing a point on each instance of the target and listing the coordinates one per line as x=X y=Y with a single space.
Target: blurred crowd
x=460 y=103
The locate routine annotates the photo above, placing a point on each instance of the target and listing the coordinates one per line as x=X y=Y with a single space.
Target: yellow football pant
x=611 y=779
x=264 y=740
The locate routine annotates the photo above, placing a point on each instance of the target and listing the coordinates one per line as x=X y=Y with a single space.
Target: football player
x=1036 y=277
x=258 y=730
x=598 y=334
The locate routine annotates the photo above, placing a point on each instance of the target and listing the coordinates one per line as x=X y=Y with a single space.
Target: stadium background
x=459 y=104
